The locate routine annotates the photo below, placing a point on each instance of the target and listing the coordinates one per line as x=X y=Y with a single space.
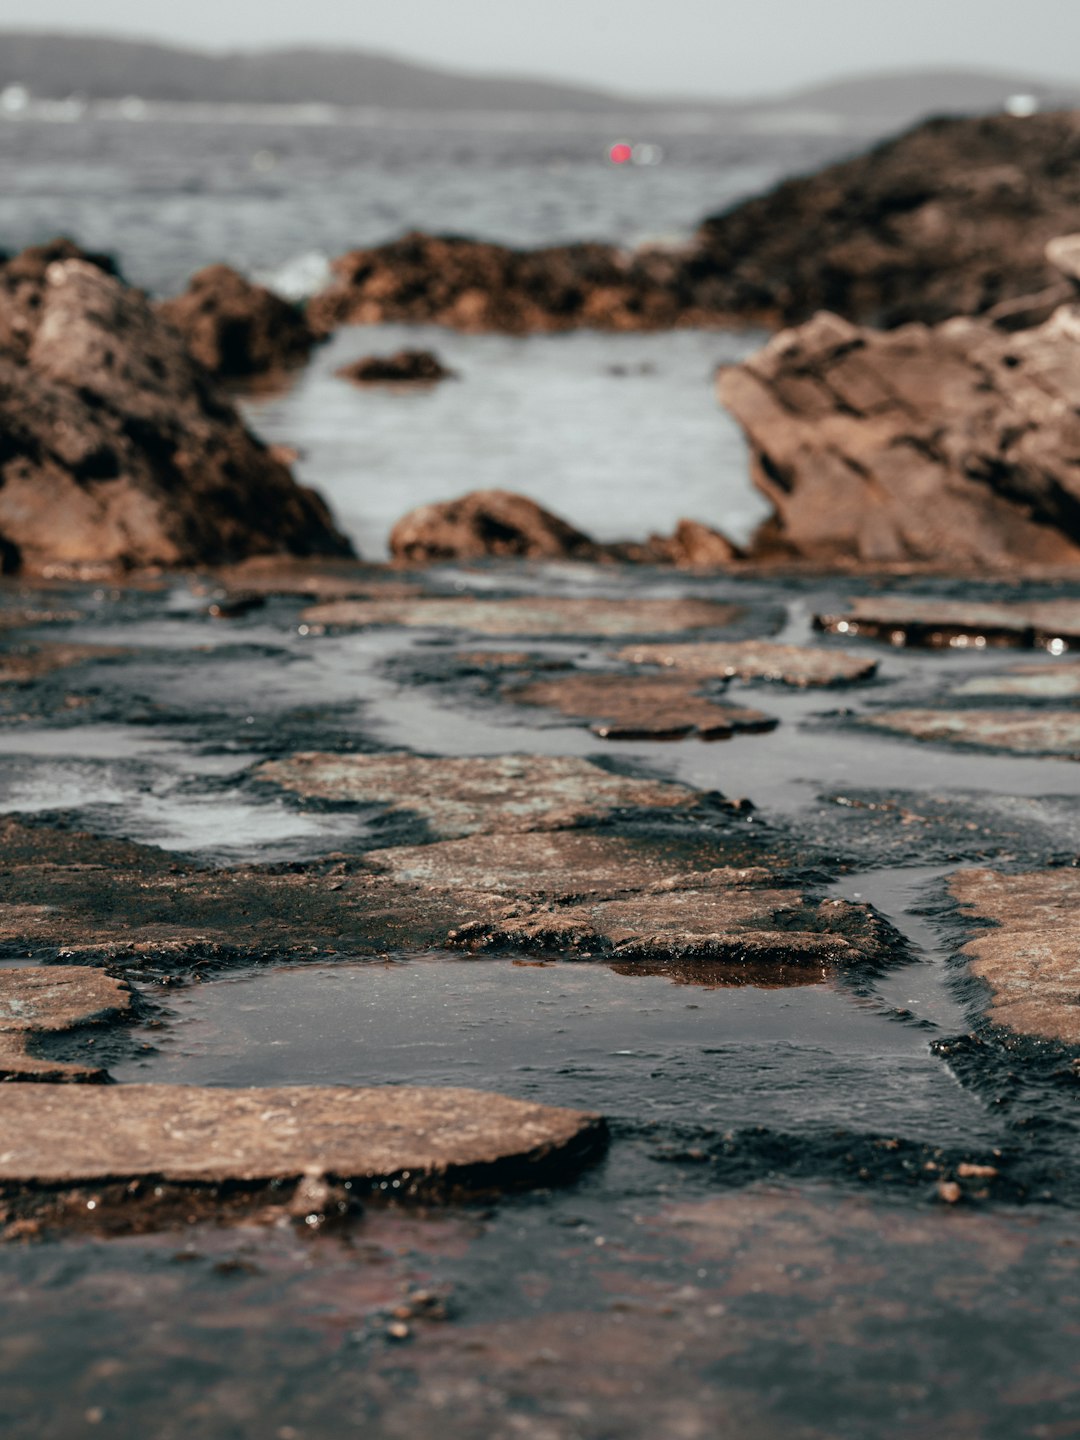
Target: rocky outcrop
x=237 y=329
x=407 y=367
x=475 y=286
x=487 y=522
x=115 y=450
x=954 y=443
x=501 y=524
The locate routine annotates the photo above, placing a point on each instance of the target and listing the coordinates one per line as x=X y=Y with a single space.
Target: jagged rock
x=406 y=367
x=694 y=546
x=115 y=450
x=235 y=328
x=953 y=443
x=487 y=522
x=950 y=219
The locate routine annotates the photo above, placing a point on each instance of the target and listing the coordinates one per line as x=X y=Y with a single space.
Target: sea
x=620 y=434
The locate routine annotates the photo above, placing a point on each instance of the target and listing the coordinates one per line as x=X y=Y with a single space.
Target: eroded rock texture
x=115 y=451
x=237 y=329
x=1030 y=959
x=49 y=1000
x=955 y=443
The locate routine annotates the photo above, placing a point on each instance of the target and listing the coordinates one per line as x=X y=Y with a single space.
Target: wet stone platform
x=693 y=1053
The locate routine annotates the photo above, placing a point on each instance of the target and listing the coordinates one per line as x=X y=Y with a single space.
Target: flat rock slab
x=50 y=1000
x=756 y=660
x=559 y=865
x=416 y=1142
x=529 y=615
x=642 y=707
x=476 y=795
x=1028 y=682
x=1031 y=958
x=1022 y=732
x=957 y=624
x=317 y=578
x=23 y=666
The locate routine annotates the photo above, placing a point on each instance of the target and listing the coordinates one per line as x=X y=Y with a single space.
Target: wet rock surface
x=769 y=1003
x=1045 y=732
x=795 y=665
x=406 y=367
x=532 y=616
x=118 y=453
x=958 y=624
x=235 y=329
x=1030 y=958
x=634 y=707
x=423 y=1143
x=37 y=1001
x=949 y=444
x=458 y=797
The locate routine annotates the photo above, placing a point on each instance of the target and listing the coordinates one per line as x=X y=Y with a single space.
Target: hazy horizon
x=712 y=50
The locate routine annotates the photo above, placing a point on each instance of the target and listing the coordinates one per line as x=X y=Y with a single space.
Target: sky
x=680 y=47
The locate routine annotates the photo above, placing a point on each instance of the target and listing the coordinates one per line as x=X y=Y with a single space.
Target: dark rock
x=116 y=451
x=952 y=444
x=407 y=367
x=935 y=624
x=237 y=329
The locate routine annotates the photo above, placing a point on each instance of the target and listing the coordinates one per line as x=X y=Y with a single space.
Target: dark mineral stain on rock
x=959 y=624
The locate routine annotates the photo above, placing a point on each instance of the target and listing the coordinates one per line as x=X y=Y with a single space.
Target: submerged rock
x=1030 y=959
x=116 y=451
x=959 y=624
x=643 y=707
x=952 y=444
x=406 y=367
x=50 y=1000
x=237 y=329
x=476 y=795
x=410 y=1143
x=531 y=615
x=756 y=660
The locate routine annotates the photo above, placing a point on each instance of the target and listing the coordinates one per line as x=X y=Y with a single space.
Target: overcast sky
x=707 y=47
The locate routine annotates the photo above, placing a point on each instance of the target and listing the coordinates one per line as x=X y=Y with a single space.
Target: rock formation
x=237 y=329
x=949 y=219
x=115 y=451
x=953 y=443
x=407 y=367
x=501 y=524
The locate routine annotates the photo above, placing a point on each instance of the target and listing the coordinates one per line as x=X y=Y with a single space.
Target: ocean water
x=168 y=194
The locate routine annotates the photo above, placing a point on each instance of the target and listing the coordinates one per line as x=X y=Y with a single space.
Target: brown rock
x=1030 y=682
x=406 y=367
x=638 y=707
x=423 y=1143
x=476 y=795
x=531 y=615
x=117 y=453
x=924 y=445
x=237 y=329
x=756 y=660
x=23 y=666
x=487 y=522
x=50 y=1000
x=959 y=624
x=1021 y=732
x=1030 y=960
x=695 y=546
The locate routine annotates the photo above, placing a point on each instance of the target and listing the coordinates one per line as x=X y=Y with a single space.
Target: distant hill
x=55 y=65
